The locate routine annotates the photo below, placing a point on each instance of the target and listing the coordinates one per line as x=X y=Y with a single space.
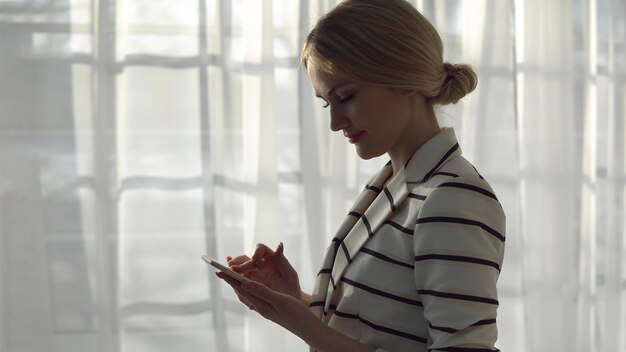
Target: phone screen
x=226 y=270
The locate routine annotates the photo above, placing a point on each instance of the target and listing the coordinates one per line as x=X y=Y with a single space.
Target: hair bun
x=458 y=81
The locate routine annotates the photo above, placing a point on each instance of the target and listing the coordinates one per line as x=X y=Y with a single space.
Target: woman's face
x=371 y=118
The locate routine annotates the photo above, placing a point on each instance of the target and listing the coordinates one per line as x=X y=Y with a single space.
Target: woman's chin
x=367 y=154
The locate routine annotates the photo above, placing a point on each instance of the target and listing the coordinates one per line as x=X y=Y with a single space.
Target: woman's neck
x=423 y=127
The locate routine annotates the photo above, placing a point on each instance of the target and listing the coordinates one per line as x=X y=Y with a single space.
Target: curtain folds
x=137 y=135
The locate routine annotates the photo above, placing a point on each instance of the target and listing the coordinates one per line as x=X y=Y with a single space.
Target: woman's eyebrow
x=331 y=90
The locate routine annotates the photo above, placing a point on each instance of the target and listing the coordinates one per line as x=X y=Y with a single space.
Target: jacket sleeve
x=459 y=249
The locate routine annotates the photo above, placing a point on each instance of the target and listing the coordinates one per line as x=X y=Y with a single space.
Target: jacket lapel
x=368 y=219
x=372 y=190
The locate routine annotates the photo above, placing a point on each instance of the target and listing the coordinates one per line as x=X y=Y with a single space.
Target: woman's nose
x=338 y=120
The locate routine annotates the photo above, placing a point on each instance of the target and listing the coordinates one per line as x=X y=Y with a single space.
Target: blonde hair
x=386 y=43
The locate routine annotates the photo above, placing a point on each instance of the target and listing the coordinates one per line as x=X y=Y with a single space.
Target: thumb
x=283 y=264
x=279 y=250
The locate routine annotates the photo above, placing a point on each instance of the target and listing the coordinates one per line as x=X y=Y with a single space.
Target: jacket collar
x=375 y=205
x=429 y=158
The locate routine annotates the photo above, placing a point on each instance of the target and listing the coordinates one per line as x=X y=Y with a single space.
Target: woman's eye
x=341 y=101
x=346 y=99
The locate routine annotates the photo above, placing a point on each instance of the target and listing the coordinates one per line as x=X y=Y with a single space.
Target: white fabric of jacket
x=414 y=265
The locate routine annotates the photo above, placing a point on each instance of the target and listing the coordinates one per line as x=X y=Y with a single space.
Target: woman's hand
x=292 y=315
x=270 y=268
x=280 y=308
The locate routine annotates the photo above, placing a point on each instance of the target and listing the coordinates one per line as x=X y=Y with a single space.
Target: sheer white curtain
x=137 y=135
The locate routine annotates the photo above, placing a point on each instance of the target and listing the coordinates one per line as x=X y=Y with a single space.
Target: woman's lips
x=354 y=138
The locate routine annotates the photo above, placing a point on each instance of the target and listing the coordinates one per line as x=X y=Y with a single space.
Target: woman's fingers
x=281 y=261
x=245 y=267
x=262 y=253
x=247 y=298
x=262 y=292
x=237 y=260
x=235 y=285
x=280 y=249
x=242 y=264
x=283 y=265
x=263 y=307
x=260 y=256
x=229 y=280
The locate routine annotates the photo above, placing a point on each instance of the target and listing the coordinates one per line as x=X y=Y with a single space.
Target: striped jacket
x=414 y=265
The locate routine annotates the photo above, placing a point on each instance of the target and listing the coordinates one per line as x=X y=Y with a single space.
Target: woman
x=414 y=265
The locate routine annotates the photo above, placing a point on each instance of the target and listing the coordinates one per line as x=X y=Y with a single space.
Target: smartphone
x=226 y=270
